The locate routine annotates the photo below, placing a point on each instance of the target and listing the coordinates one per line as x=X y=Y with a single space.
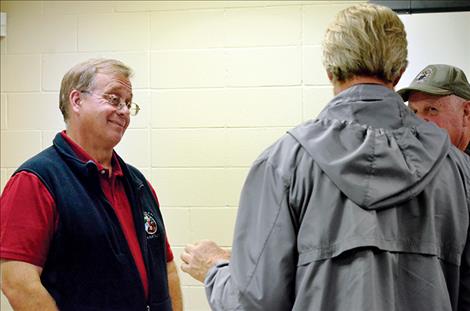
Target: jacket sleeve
x=464 y=286
x=464 y=290
x=261 y=273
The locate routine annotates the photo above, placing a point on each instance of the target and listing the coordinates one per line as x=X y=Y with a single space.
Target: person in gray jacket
x=365 y=207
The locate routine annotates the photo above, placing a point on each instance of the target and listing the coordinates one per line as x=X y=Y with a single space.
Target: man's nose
x=123 y=108
x=421 y=115
x=424 y=117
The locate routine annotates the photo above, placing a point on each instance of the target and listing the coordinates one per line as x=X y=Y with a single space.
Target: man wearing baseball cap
x=441 y=94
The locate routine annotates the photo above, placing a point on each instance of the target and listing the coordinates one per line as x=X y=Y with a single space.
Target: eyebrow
x=115 y=89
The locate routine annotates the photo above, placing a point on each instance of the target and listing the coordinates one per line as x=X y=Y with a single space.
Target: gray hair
x=365 y=40
x=82 y=76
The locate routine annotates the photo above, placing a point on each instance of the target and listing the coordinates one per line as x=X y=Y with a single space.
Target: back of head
x=365 y=40
x=81 y=77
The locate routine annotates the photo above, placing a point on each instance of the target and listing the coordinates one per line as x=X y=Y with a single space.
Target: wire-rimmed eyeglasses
x=117 y=102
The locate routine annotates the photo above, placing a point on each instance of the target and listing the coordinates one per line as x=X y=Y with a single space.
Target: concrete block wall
x=218 y=82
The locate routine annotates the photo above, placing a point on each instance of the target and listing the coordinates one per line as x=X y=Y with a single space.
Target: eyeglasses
x=118 y=102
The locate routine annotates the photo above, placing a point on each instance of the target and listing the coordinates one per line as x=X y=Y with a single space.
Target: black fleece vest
x=89 y=264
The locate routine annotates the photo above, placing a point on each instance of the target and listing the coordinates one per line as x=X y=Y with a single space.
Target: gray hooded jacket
x=364 y=208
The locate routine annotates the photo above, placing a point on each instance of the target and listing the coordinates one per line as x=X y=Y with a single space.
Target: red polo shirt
x=29 y=218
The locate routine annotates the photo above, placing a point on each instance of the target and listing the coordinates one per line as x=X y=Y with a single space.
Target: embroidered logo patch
x=423 y=75
x=150 y=224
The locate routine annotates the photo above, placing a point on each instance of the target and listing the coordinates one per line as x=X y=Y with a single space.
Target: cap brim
x=405 y=92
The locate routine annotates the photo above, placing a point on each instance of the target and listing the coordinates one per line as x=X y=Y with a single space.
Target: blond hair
x=82 y=76
x=365 y=40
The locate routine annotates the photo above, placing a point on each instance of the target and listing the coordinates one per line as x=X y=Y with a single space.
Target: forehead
x=112 y=82
x=420 y=98
x=449 y=104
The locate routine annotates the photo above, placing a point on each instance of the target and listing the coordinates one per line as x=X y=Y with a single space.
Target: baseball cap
x=439 y=80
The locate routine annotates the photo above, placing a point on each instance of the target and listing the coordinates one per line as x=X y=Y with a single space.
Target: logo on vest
x=150 y=224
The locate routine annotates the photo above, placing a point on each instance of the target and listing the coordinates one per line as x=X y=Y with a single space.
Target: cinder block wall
x=218 y=82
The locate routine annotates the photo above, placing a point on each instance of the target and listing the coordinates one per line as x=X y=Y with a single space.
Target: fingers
x=185 y=257
x=192 y=267
x=206 y=243
x=198 y=258
x=189 y=248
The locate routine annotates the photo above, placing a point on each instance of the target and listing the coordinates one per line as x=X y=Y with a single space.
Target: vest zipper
x=116 y=221
x=143 y=244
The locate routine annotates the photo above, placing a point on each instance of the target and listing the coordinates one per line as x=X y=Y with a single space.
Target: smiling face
x=448 y=112
x=101 y=123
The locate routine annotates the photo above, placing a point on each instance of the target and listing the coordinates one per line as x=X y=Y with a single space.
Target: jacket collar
x=372 y=104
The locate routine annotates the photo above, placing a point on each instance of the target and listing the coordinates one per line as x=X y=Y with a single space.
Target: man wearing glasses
x=81 y=229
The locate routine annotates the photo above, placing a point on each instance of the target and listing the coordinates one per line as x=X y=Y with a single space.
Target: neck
x=464 y=141
x=338 y=87
x=98 y=152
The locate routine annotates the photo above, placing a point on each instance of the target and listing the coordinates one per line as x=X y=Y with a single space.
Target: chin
x=115 y=138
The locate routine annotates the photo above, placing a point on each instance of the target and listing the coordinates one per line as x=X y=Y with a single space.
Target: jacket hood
x=375 y=150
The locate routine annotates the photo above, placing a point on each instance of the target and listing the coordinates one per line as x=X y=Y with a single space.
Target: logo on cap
x=150 y=224
x=423 y=75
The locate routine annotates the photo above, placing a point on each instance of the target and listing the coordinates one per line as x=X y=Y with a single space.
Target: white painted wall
x=218 y=81
x=436 y=38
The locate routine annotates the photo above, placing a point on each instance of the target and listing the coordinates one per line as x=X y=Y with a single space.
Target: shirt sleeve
x=169 y=252
x=264 y=241
x=28 y=219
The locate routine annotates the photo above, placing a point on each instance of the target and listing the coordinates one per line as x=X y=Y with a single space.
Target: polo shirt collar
x=84 y=156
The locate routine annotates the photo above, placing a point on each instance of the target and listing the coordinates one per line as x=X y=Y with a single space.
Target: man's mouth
x=121 y=124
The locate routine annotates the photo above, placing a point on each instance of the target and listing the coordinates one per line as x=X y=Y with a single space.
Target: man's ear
x=466 y=113
x=330 y=76
x=398 y=78
x=75 y=100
